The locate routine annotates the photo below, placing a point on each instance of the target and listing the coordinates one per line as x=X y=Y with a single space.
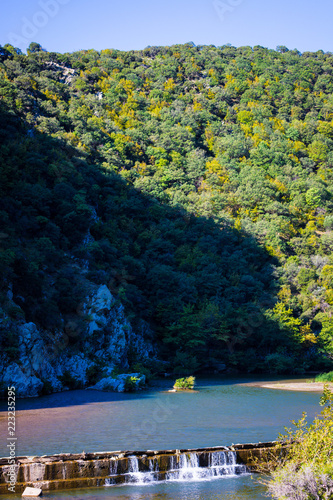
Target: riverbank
x=293 y=385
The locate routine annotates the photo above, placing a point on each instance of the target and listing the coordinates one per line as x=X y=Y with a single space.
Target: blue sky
x=69 y=25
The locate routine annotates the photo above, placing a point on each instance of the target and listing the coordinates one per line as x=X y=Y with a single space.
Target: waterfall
x=114 y=467
x=190 y=466
x=186 y=468
x=225 y=463
x=153 y=465
x=220 y=463
x=134 y=475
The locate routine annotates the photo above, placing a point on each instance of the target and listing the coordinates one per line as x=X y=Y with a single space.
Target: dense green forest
x=195 y=181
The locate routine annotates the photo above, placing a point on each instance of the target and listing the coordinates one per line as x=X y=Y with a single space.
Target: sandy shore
x=292 y=385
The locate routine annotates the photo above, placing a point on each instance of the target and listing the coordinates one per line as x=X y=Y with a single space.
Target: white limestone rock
x=38 y=351
x=141 y=380
x=118 y=384
x=97 y=308
x=106 y=315
x=44 y=356
x=77 y=365
x=26 y=384
x=33 y=364
x=32 y=492
x=105 y=384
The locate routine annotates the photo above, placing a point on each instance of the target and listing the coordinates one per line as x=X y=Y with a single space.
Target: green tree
x=305 y=470
x=34 y=48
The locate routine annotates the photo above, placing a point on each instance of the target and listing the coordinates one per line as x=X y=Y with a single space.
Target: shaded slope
x=178 y=176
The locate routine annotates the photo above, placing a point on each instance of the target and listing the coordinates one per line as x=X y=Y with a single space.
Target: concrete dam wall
x=65 y=471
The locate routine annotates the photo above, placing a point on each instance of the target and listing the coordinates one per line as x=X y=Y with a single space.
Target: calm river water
x=221 y=412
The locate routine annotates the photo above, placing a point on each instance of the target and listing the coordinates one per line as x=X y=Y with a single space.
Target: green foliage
x=95 y=373
x=324 y=377
x=69 y=381
x=305 y=471
x=326 y=334
x=185 y=383
x=279 y=363
x=184 y=363
x=34 y=47
x=47 y=388
x=196 y=182
x=143 y=370
x=9 y=344
x=131 y=384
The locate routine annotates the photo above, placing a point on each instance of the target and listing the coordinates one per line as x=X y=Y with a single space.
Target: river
x=222 y=412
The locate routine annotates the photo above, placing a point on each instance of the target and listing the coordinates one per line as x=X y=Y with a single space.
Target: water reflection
x=227 y=489
x=220 y=413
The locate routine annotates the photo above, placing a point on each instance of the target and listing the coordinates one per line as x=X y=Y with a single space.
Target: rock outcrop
x=133 y=381
x=96 y=340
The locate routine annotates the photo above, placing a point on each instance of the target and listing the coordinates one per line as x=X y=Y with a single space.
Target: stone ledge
x=65 y=457
x=67 y=471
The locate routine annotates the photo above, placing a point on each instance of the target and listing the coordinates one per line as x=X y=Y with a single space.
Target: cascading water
x=220 y=463
x=137 y=477
x=114 y=468
x=181 y=467
x=133 y=475
x=185 y=467
x=225 y=463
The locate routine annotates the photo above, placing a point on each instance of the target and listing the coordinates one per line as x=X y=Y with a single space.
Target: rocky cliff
x=84 y=352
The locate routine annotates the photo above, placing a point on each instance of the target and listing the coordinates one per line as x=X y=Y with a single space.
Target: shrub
x=325 y=377
x=301 y=485
x=69 y=381
x=184 y=363
x=9 y=344
x=47 y=387
x=95 y=373
x=131 y=384
x=305 y=471
x=279 y=363
x=144 y=370
x=116 y=371
x=185 y=383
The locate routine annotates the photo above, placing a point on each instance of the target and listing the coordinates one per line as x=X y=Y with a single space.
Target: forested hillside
x=194 y=181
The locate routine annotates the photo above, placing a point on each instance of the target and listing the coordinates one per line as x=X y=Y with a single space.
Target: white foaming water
x=185 y=467
x=219 y=464
x=224 y=463
x=182 y=467
x=135 y=476
x=114 y=468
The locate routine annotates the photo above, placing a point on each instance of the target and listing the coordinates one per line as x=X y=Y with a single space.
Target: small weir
x=67 y=471
x=190 y=466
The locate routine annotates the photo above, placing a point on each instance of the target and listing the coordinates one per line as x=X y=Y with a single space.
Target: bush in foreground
x=185 y=383
x=304 y=484
x=325 y=377
x=305 y=472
